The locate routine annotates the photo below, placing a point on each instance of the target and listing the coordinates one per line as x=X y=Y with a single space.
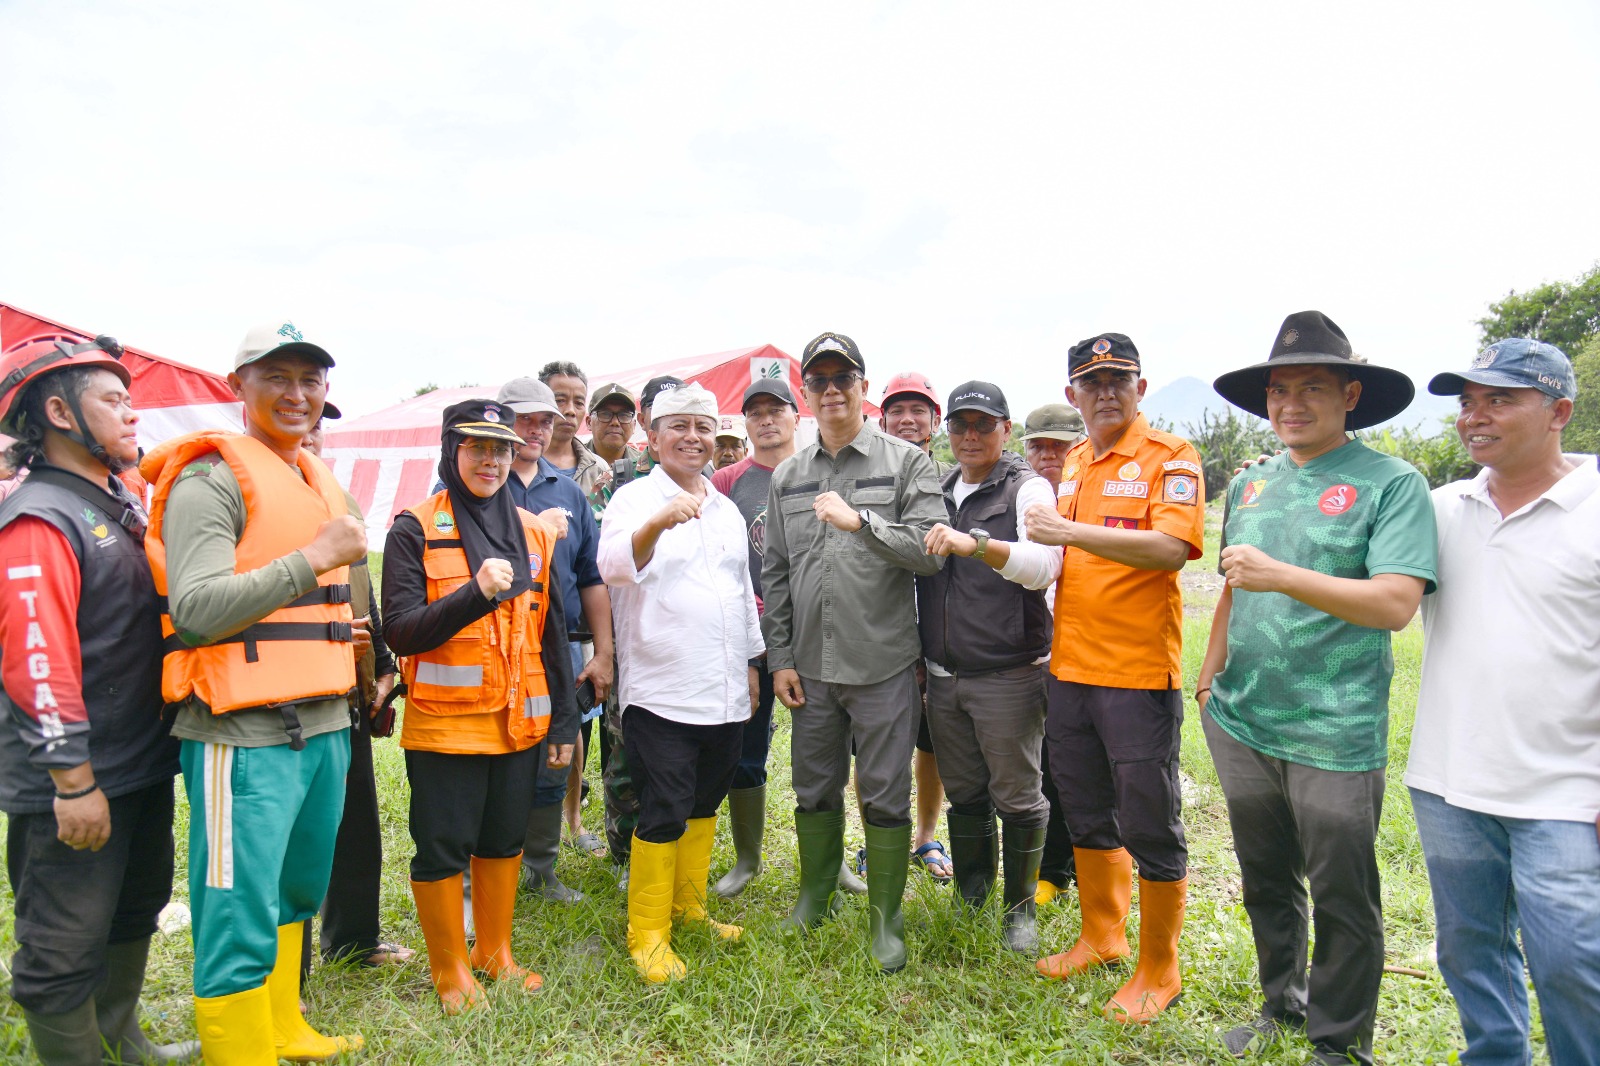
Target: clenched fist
x=494 y=577
x=339 y=542
x=680 y=509
x=1046 y=526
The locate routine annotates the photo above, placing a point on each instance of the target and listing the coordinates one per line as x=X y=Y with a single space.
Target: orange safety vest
x=497 y=662
x=301 y=651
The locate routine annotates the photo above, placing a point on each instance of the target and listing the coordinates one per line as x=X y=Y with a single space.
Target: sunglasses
x=819 y=383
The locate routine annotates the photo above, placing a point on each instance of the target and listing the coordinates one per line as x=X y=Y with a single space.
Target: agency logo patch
x=443 y=523
x=1067 y=488
x=1252 y=493
x=1129 y=489
x=96 y=525
x=1179 y=488
x=1129 y=470
x=491 y=415
x=1122 y=523
x=1181 y=464
x=1101 y=346
x=535 y=563
x=1337 y=500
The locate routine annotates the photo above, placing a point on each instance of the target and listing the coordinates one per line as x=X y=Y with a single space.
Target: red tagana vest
x=301 y=651
x=497 y=662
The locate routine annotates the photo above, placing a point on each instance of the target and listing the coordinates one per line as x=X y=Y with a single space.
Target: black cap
x=655 y=387
x=978 y=396
x=329 y=411
x=769 y=387
x=1112 y=350
x=488 y=419
x=835 y=344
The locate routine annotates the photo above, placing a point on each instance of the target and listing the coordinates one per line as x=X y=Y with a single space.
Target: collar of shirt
x=1132 y=437
x=669 y=488
x=1575 y=486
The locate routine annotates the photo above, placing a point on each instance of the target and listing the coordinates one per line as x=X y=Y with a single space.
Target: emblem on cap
x=491 y=415
x=1486 y=357
x=1101 y=346
x=1290 y=337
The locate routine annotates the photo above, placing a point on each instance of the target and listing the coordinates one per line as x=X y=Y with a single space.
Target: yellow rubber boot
x=494 y=898
x=1156 y=983
x=1105 y=889
x=652 y=876
x=443 y=919
x=694 y=867
x=294 y=1038
x=236 y=1030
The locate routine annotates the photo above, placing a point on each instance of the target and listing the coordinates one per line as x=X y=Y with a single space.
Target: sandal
x=388 y=955
x=934 y=858
x=588 y=843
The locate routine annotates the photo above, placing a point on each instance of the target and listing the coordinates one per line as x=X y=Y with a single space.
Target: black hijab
x=490 y=528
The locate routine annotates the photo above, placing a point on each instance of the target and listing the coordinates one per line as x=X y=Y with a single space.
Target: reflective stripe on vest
x=536 y=707
x=299 y=652
x=449 y=676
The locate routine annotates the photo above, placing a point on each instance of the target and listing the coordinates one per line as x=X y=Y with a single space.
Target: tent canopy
x=387 y=459
x=172 y=398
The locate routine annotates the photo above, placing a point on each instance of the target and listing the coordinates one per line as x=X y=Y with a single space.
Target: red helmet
x=28 y=360
x=910 y=382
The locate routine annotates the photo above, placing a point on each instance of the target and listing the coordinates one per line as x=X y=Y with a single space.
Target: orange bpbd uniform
x=299 y=652
x=1117 y=626
x=482 y=692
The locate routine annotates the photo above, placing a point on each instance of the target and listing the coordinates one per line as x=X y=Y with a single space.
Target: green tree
x=1583 y=432
x=1562 y=313
x=1441 y=457
x=1224 y=442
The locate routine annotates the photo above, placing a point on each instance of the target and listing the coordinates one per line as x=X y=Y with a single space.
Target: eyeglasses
x=500 y=453
x=960 y=427
x=611 y=414
x=818 y=383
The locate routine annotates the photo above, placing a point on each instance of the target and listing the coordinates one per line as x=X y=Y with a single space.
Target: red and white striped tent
x=172 y=398
x=388 y=460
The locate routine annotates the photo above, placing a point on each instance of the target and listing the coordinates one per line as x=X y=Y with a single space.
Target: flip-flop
x=587 y=843
x=925 y=855
x=388 y=955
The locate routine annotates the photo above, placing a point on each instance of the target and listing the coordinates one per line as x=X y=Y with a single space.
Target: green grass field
x=768 y=999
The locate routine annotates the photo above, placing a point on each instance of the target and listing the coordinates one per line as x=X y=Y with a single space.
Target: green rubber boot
x=820 y=837
x=886 y=885
x=68 y=1039
x=747 y=819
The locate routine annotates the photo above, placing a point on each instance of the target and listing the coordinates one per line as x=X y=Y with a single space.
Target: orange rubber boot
x=1105 y=888
x=494 y=897
x=1156 y=983
x=440 y=910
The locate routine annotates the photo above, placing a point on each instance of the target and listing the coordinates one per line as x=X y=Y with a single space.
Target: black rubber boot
x=747 y=819
x=820 y=838
x=117 y=1010
x=540 y=846
x=68 y=1039
x=974 y=852
x=887 y=851
x=1023 y=846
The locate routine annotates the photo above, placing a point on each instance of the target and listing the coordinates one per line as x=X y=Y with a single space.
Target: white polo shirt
x=1508 y=720
x=686 y=625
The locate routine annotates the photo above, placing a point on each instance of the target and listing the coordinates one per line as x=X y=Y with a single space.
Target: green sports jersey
x=1300 y=684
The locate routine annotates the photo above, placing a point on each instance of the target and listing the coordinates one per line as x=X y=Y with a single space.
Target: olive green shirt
x=841 y=607
x=204 y=521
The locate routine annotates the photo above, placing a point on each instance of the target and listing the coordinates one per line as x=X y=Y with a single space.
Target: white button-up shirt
x=1508 y=719
x=686 y=624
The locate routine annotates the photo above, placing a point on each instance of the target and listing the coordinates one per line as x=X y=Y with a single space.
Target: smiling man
x=1505 y=758
x=1128 y=515
x=847 y=518
x=250 y=543
x=1327 y=548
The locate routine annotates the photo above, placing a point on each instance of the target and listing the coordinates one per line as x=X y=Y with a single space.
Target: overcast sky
x=459 y=192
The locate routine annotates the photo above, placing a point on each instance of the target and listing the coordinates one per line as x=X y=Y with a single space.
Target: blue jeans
x=1492 y=876
x=752 y=769
x=552 y=786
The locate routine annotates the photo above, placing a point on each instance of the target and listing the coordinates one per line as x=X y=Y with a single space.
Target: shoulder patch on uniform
x=201 y=467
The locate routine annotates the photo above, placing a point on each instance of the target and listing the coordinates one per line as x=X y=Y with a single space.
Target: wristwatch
x=983 y=542
x=866 y=518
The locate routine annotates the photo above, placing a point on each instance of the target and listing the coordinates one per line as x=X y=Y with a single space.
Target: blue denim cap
x=1518 y=363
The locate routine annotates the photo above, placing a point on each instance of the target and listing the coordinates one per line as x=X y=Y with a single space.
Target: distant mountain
x=1184 y=401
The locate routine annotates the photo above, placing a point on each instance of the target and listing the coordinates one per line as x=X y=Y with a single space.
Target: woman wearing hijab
x=673 y=551
x=472 y=607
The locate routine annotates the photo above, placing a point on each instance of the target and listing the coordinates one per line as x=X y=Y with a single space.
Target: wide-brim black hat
x=1311 y=338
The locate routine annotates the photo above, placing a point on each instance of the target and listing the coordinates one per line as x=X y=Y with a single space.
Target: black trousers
x=1294 y=824
x=468 y=805
x=1056 y=864
x=1114 y=752
x=71 y=904
x=350 y=910
x=682 y=771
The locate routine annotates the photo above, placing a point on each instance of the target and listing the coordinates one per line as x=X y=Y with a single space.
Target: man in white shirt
x=986 y=631
x=1505 y=756
x=673 y=551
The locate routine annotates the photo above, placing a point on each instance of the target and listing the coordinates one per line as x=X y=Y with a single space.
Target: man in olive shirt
x=847 y=517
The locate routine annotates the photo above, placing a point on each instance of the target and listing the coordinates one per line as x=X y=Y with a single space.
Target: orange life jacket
x=497 y=662
x=299 y=652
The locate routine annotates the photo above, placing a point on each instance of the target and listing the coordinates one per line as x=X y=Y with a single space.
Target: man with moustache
x=731 y=444
x=1047 y=436
x=1128 y=515
x=848 y=517
x=1327 y=548
x=565 y=452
